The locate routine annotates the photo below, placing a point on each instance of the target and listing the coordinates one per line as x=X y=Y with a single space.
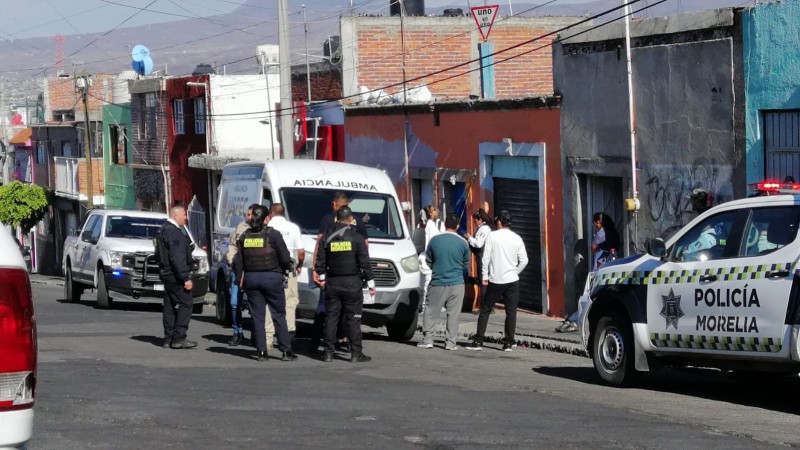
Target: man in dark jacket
x=264 y=260
x=342 y=260
x=174 y=255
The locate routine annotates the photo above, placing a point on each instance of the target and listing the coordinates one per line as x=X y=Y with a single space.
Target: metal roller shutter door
x=521 y=199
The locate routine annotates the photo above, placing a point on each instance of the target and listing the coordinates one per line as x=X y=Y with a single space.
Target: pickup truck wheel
x=72 y=289
x=612 y=350
x=223 y=310
x=402 y=331
x=104 y=301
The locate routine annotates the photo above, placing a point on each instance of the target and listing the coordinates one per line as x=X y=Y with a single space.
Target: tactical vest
x=340 y=253
x=257 y=253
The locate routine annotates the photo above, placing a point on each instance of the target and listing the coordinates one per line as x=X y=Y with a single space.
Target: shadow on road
x=119 y=304
x=155 y=340
x=761 y=390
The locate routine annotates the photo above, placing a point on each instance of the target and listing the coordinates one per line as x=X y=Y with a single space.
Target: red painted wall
x=186 y=182
x=456 y=142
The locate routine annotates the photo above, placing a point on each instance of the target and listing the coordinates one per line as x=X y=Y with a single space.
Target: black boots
x=235 y=340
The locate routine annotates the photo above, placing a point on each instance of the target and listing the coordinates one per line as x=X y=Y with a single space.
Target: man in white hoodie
x=504 y=258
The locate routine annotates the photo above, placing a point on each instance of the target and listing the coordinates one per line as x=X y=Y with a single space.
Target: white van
x=306 y=188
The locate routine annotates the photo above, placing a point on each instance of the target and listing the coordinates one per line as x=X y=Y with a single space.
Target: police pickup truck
x=723 y=292
x=114 y=254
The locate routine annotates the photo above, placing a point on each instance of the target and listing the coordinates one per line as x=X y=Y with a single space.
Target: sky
x=38 y=18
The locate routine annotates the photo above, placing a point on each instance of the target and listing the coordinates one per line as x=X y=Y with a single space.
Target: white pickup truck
x=114 y=253
x=723 y=292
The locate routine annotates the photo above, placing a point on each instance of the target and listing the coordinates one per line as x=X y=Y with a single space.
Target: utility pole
x=287 y=119
x=308 y=66
x=4 y=139
x=82 y=84
x=270 y=113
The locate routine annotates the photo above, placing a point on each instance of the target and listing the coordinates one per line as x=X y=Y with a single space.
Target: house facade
x=689 y=107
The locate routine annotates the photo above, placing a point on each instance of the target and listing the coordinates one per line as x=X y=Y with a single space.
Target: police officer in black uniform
x=264 y=260
x=174 y=256
x=342 y=264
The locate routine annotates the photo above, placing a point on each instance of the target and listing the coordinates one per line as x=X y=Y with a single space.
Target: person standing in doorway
x=504 y=258
x=237 y=293
x=264 y=259
x=483 y=224
x=342 y=265
x=448 y=258
x=294 y=242
x=174 y=256
x=604 y=242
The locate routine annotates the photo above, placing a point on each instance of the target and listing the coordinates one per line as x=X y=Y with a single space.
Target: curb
x=532 y=341
x=47 y=282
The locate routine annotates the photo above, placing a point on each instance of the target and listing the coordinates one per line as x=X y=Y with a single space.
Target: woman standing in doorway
x=483 y=226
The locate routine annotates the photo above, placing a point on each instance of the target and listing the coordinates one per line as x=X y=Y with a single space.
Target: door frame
x=507 y=147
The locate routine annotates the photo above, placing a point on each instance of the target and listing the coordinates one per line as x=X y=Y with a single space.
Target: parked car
x=17 y=346
x=26 y=253
x=114 y=253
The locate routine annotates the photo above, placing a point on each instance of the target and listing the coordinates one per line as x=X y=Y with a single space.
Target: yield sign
x=484 y=18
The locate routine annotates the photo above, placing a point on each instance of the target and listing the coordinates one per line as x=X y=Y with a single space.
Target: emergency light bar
x=774 y=188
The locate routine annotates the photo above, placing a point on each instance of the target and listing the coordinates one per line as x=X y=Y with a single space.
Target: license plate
x=158 y=287
x=368 y=299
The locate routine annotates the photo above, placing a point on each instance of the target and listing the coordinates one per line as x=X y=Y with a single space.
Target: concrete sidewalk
x=534 y=331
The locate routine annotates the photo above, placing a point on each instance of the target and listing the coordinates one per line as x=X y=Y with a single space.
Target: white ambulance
x=722 y=292
x=306 y=188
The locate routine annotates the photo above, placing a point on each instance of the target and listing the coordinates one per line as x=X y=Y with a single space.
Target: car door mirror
x=86 y=236
x=656 y=247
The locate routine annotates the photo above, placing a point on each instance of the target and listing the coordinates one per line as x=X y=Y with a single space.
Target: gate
x=521 y=199
x=782 y=144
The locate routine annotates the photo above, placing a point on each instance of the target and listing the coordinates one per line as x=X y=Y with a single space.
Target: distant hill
x=180 y=45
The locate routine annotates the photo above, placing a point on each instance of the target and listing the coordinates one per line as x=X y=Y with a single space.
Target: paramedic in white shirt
x=504 y=258
x=294 y=242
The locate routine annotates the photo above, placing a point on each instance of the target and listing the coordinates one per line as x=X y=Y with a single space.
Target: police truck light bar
x=774 y=188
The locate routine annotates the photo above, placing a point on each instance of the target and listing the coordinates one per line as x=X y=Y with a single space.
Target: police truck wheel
x=612 y=350
x=72 y=289
x=223 y=310
x=104 y=301
x=402 y=331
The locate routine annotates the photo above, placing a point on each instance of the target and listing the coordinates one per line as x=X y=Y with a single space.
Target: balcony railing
x=69 y=178
x=67 y=181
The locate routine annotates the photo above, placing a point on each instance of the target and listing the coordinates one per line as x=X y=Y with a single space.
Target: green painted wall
x=118 y=177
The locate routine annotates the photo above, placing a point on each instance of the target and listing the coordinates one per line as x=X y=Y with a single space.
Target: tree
x=22 y=205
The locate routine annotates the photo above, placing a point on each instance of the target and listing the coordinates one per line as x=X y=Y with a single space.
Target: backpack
x=418 y=238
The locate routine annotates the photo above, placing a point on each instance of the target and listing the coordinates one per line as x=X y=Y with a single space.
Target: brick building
x=148 y=138
x=371 y=54
x=63 y=103
x=326 y=82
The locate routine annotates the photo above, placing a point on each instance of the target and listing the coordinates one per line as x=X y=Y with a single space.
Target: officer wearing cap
x=264 y=260
x=342 y=263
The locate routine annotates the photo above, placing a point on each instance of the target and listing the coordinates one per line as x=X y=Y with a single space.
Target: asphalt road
x=105 y=382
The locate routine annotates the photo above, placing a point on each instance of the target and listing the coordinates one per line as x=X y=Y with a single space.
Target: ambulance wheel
x=612 y=350
x=402 y=331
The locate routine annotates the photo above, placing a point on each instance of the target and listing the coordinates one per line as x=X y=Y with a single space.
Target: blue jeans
x=236 y=300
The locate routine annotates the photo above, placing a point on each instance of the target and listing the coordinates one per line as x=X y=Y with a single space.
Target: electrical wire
x=291 y=109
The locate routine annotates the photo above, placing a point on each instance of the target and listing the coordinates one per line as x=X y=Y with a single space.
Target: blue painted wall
x=771 y=46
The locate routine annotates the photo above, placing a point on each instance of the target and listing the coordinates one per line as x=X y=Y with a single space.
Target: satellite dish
x=139 y=53
x=141 y=62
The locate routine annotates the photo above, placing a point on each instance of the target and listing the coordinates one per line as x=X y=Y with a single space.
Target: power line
x=529 y=41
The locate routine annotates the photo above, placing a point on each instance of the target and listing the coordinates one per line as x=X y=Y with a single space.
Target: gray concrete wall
x=688 y=106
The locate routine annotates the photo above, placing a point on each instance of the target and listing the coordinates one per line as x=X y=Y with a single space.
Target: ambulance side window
x=770 y=229
x=708 y=240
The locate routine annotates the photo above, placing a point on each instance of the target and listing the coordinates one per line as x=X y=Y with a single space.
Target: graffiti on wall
x=665 y=192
